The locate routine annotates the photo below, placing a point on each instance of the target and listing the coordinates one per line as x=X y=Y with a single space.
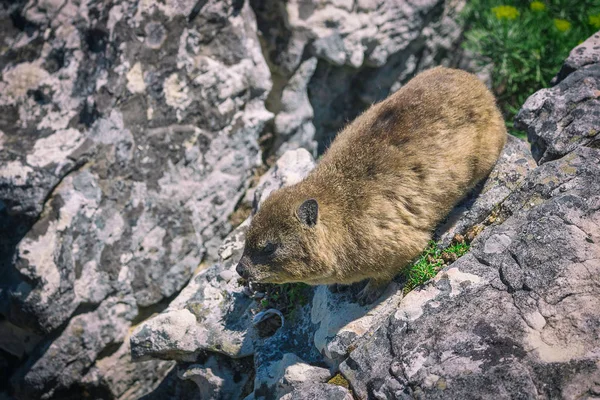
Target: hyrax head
x=281 y=239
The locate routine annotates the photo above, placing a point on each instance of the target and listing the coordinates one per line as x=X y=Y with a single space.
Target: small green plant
x=286 y=298
x=527 y=42
x=431 y=261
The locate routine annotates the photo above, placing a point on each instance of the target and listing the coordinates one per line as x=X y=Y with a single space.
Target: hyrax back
x=387 y=180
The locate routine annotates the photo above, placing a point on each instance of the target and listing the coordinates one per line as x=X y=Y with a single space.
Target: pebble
x=227 y=275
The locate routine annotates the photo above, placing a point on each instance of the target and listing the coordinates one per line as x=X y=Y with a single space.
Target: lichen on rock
x=117 y=179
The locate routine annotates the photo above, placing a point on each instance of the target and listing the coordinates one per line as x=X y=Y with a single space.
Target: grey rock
x=219 y=377
x=173 y=387
x=364 y=51
x=299 y=373
x=289 y=169
x=124 y=379
x=584 y=54
x=64 y=361
x=369 y=35
x=293 y=126
x=128 y=134
x=342 y=323
x=211 y=313
x=331 y=49
x=284 y=376
x=172 y=335
x=17 y=341
x=559 y=119
x=511 y=316
x=317 y=391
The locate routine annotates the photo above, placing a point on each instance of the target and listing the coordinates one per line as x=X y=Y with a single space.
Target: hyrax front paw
x=371 y=292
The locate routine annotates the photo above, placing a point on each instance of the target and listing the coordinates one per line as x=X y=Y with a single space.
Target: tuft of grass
x=431 y=261
x=527 y=42
x=286 y=298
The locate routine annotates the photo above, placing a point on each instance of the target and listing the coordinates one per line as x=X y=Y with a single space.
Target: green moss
x=339 y=380
x=431 y=261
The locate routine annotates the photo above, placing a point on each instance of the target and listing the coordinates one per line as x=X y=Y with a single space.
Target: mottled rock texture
x=345 y=55
x=564 y=117
x=128 y=133
x=316 y=391
x=517 y=316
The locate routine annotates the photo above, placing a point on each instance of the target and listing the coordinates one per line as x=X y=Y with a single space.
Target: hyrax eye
x=269 y=248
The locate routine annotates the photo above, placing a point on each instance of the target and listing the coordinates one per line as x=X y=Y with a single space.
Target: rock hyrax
x=371 y=204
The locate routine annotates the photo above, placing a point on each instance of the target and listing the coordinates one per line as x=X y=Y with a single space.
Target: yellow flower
x=505 y=12
x=594 y=20
x=537 y=6
x=562 y=24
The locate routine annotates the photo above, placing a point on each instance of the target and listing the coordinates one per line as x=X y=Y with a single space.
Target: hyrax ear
x=308 y=212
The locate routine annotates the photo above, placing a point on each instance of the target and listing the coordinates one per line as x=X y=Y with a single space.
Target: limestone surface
x=128 y=133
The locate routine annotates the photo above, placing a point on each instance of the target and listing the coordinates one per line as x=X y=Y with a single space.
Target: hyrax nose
x=241 y=270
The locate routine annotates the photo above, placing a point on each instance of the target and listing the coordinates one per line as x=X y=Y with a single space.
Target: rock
x=214 y=315
x=289 y=169
x=219 y=377
x=559 y=119
x=293 y=126
x=582 y=55
x=342 y=323
x=227 y=275
x=284 y=376
x=331 y=48
x=166 y=332
x=316 y=391
x=128 y=134
x=125 y=379
x=369 y=35
x=299 y=373
x=173 y=387
x=64 y=361
x=364 y=52
x=16 y=341
x=475 y=324
x=211 y=313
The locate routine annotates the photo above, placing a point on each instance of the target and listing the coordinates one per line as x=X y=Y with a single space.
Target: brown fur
x=384 y=184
